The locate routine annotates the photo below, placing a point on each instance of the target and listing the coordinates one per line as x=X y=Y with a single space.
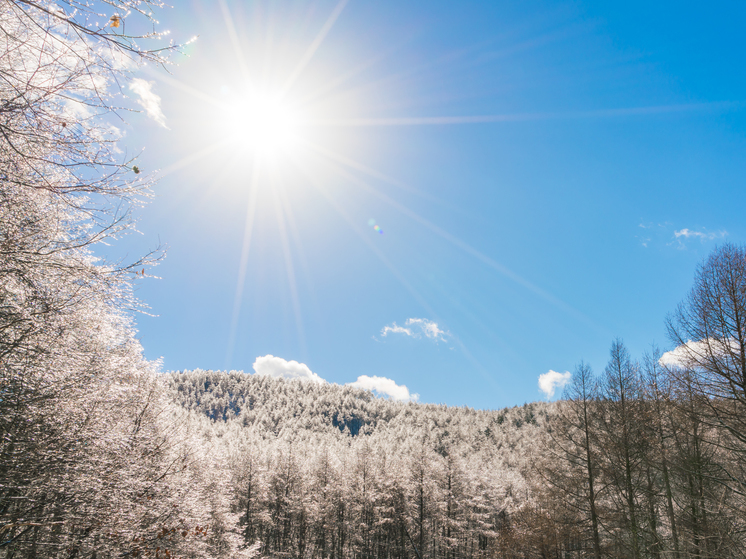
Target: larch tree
x=663 y=431
x=572 y=440
x=621 y=444
x=709 y=329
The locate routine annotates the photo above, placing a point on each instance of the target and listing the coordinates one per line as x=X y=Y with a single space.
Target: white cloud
x=429 y=329
x=701 y=235
x=148 y=100
x=552 y=380
x=417 y=327
x=680 y=356
x=666 y=233
x=394 y=329
x=384 y=386
x=277 y=367
x=692 y=353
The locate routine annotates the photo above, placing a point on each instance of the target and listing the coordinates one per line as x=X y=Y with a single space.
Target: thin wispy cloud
x=385 y=387
x=395 y=329
x=666 y=234
x=653 y=233
x=703 y=236
x=552 y=381
x=148 y=100
x=277 y=367
x=416 y=328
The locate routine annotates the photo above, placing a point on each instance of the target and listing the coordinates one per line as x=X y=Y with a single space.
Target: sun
x=262 y=123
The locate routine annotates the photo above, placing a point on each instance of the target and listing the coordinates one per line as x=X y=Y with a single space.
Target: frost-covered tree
x=410 y=479
x=573 y=469
x=95 y=460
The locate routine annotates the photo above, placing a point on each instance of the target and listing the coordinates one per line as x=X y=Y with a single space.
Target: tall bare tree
x=663 y=432
x=709 y=328
x=620 y=441
x=572 y=438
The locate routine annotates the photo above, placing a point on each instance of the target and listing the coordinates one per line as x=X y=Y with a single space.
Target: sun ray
x=219 y=178
x=233 y=36
x=396 y=273
x=520 y=117
x=243 y=262
x=267 y=32
x=468 y=249
x=311 y=50
x=501 y=345
x=478 y=366
x=313 y=181
x=330 y=85
x=191 y=159
x=180 y=85
x=294 y=233
x=290 y=270
x=427 y=120
x=376 y=174
x=412 y=73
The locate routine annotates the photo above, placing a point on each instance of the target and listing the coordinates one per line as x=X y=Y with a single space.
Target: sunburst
x=271 y=129
x=260 y=122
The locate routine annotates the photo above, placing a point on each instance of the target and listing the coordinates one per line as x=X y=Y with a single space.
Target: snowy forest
x=103 y=455
x=632 y=463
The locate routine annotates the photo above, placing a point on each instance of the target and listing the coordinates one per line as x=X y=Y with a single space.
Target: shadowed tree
x=658 y=388
x=573 y=470
x=709 y=328
x=621 y=443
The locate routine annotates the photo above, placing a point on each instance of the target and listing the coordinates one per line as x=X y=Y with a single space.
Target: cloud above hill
x=277 y=367
x=384 y=387
x=552 y=380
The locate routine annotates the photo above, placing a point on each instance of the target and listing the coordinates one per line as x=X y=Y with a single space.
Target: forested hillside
x=332 y=471
x=642 y=460
x=279 y=406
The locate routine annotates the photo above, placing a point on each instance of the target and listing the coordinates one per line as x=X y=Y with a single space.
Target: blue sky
x=545 y=177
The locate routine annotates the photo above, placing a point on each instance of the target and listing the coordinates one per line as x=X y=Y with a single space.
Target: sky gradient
x=482 y=193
